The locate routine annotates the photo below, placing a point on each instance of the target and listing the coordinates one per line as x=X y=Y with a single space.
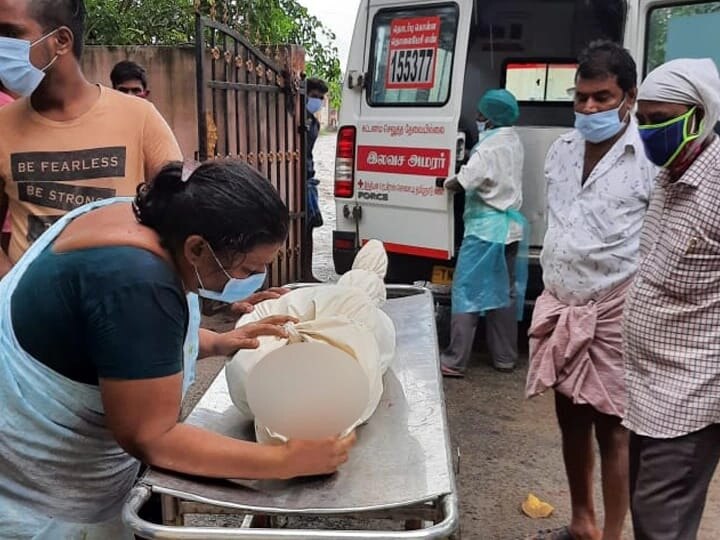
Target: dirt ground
x=509 y=446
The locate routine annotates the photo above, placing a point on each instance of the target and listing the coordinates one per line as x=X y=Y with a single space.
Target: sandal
x=451 y=373
x=561 y=533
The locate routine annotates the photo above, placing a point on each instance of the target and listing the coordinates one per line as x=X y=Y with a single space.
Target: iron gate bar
x=242 y=114
x=200 y=87
x=236 y=96
x=226 y=76
x=226 y=85
x=209 y=23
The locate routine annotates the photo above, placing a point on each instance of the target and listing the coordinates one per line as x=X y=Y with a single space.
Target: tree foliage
x=171 y=22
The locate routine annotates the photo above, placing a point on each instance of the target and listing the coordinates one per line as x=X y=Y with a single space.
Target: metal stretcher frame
x=400 y=469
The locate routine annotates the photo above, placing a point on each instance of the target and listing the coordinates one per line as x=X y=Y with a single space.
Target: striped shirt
x=671 y=323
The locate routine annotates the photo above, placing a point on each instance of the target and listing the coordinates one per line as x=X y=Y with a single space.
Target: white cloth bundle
x=346 y=315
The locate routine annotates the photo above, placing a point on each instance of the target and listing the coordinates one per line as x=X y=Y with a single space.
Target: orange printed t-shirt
x=48 y=168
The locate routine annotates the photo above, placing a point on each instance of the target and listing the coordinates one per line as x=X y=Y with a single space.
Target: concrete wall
x=171 y=74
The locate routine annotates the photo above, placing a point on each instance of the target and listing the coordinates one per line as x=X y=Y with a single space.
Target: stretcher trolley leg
x=446 y=529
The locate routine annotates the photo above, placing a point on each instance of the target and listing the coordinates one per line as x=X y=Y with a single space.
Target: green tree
x=171 y=22
x=132 y=22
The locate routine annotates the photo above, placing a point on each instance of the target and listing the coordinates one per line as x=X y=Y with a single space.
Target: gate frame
x=289 y=81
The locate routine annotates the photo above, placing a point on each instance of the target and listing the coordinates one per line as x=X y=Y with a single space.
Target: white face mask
x=17 y=73
x=601 y=126
x=481 y=126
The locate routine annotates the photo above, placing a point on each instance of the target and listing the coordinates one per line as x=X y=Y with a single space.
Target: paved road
x=509 y=446
x=325 y=171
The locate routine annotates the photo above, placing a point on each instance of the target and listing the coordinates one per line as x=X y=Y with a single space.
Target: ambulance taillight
x=345 y=162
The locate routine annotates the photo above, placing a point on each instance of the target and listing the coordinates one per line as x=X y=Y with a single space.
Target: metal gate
x=251 y=107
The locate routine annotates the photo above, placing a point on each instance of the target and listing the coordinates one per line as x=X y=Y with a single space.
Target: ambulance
x=415 y=72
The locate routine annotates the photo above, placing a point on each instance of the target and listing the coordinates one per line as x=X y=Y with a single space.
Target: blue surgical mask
x=600 y=126
x=314 y=104
x=481 y=126
x=17 y=73
x=664 y=142
x=236 y=289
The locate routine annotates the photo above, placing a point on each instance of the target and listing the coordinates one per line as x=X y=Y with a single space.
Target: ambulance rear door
x=407 y=136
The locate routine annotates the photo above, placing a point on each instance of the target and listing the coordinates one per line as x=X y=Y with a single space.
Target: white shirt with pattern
x=593 y=236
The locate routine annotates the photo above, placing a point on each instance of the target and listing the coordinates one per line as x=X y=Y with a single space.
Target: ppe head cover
x=307 y=391
x=500 y=107
x=687 y=81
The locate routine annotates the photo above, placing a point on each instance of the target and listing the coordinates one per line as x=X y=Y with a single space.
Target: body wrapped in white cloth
x=346 y=315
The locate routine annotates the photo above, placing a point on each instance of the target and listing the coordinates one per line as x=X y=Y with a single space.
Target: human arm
x=476 y=172
x=5 y=262
x=452 y=184
x=142 y=416
x=245 y=337
x=134 y=334
x=313 y=132
x=649 y=177
x=159 y=143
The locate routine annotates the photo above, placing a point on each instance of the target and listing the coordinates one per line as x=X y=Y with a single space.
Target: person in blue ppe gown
x=491 y=272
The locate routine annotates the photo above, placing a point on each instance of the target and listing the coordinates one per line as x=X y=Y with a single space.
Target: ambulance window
x=682 y=31
x=533 y=81
x=412 y=56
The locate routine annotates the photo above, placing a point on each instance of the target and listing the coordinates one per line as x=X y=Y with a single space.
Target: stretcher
x=401 y=470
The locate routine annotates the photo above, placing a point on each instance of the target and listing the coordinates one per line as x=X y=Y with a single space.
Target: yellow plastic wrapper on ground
x=534 y=508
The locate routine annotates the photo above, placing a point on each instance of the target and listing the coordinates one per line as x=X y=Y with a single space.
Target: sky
x=338 y=16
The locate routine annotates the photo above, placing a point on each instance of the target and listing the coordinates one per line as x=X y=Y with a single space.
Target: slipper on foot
x=451 y=373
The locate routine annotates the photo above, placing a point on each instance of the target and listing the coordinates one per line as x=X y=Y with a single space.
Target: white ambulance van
x=415 y=72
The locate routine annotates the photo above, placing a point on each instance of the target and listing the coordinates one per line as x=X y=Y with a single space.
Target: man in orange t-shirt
x=66 y=142
x=5 y=98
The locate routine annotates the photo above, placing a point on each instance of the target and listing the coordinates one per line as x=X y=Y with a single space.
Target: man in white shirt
x=487 y=281
x=599 y=183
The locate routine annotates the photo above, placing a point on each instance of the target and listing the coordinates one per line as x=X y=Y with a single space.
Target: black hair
x=605 y=58
x=127 y=71
x=52 y=14
x=231 y=205
x=316 y=84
